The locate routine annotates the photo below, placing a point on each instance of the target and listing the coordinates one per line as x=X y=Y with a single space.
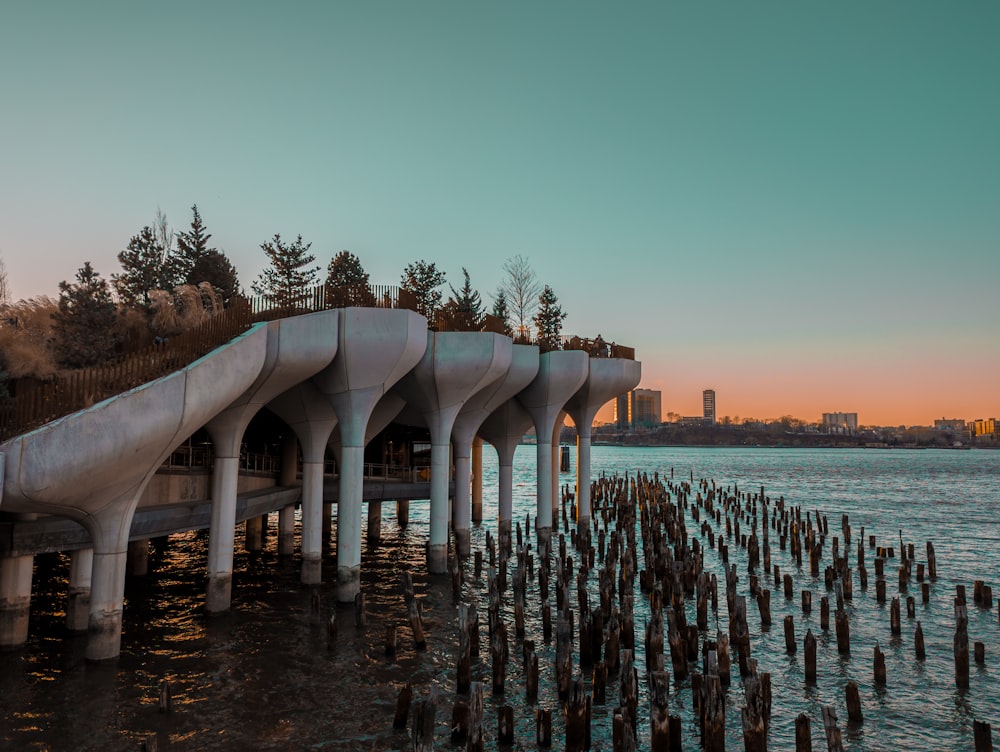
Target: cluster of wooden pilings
x=639 y=534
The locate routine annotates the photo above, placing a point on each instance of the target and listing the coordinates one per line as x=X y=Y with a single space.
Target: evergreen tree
x=465 y=305
x=214 y=267
x=421 y=280
x=193 y=244
x=287 y=281
x=146 y=265
x=85 y=329
x=347 y=282
x=501 y=311
x=548 y=320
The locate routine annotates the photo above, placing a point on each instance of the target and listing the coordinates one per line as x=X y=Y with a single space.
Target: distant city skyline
x=793 y=203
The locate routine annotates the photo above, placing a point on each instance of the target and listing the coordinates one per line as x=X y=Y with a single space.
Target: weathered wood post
x=879 y=666
x=833 y=741
x=475 y=742
x=543 y=727
x=505 y=725
x=577 y=720
x=810 y=651
x=983 y=736
x=961 y=645
x=403 y=706
x=894 y=625
x=423 y=723
x=853 y=703
x=789 y=635
x=659 y=716
x=803 y=732
x=843 y=633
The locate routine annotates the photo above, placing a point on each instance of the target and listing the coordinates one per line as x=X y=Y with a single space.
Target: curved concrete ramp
x=93 y=465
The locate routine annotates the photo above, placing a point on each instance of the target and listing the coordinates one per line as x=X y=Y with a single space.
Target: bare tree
x=164 y=234
x=521 y=289
x=4 y=288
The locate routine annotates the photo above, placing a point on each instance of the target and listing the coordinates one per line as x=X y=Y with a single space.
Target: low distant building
x=983 y=428
x=840 y=422
x=949 y=424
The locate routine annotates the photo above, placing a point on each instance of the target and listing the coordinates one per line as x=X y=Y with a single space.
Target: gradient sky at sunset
x=796 y=204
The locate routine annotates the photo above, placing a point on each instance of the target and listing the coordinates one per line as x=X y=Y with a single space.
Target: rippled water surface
x=266 y=677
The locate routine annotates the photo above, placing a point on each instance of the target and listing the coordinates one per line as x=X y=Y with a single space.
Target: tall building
x=840 y=422
x=645 y=407
x=708 y=404
x=638 y=408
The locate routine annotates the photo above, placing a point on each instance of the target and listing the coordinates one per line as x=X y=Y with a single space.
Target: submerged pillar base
x=437 y=559
x=254 y=535
x=403 y=512
x=544 y=534
x=348 y=583
x=219 y=592
x=15 y=599
x=463 y=543
x=286 y=531
x=312 y=570
x=104 y=635
x=138 y=557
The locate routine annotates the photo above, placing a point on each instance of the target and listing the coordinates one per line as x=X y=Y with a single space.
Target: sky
x=795 y=204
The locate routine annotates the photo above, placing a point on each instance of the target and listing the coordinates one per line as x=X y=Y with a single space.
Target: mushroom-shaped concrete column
x=92 y=466
x=455 y=366
x=297 y=348
x=504 y=429
x=560 y=374
x=523 y=368
x=310 y=415
x=608 y=378
x=376 y=347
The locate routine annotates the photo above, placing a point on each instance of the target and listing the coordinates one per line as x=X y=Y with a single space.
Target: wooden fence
x=34 y=402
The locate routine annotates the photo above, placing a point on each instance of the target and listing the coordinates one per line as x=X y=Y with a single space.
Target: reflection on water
x=264 y=676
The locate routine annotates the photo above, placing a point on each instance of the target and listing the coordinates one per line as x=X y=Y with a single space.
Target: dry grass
x=25 y=331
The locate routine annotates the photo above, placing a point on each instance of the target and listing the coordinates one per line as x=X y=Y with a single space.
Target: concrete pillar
x=560 y=374
x=455 y=367
x=253 y=537
x=556 y=485
x=462 y=504
x=222 y=534
x=504 y=429
x=349 y=522
x=313 y=523
x=402 y=512
x=606 y=379
x=138 y=557
x=477 y=481
x=15 y=599
x=81 y=568
x=286 y=530
x=374 y=521
x=107 y=597
x=289 y=460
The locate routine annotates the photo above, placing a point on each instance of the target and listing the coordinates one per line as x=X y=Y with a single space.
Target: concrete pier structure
x=455 y=366
x=504 y=429
x=560 y=374
x=522 y=369
x=331 y=376
x=297 y=348
x=606 y=379
x=309 y=414
x=376 y=348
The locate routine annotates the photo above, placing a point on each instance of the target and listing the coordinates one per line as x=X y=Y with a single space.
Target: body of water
x=266 y=676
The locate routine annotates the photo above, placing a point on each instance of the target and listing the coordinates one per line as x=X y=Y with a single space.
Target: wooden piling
x=803 y=733
x=810 y=657
x=403 y=706
x=843 y=633
x=879 y=666
x=659 y=716
x=982 y=736
x=543 y=727
x=505 y=725
x=918 y=643
x=853 y=703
